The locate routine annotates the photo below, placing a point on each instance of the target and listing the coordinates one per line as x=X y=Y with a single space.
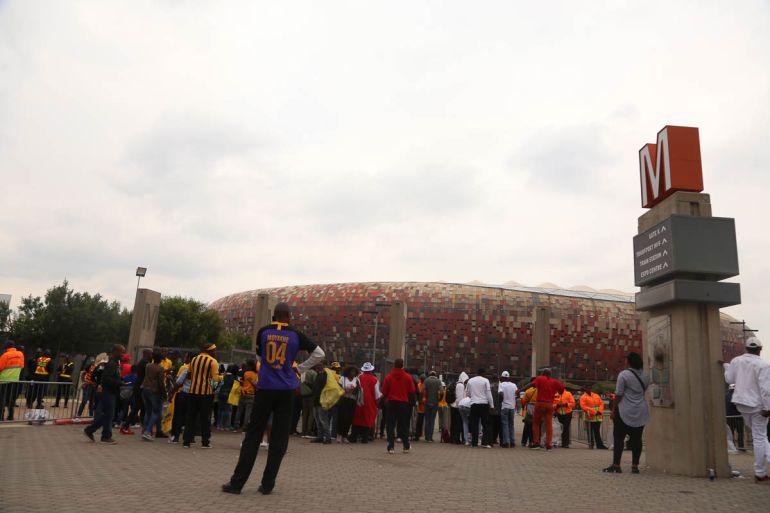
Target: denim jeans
x=223 y=414
x=105 y=410
x=507 y=418
x=430 y=420
x=465 y=413
x=88 y=397
x=323 y=423
x=245 y=405
x=152 y=407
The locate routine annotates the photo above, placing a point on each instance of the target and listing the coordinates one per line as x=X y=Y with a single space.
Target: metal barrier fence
x=40 y=401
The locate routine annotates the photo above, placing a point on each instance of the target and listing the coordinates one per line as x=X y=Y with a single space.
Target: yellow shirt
x=247 y=388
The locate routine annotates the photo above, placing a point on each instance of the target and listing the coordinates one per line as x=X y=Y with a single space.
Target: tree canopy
x=77 y=322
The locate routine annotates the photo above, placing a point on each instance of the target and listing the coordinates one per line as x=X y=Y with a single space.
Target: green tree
x=186 y=322
x=5 y=316
x=71 y=322
x=233 y=340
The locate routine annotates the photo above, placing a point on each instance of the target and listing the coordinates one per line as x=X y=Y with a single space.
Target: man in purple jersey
x=277 y=346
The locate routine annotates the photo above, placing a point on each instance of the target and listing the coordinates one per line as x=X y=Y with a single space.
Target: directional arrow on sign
x=665 y=252
x=665 y=265
x=664 y=241
x=663 y=228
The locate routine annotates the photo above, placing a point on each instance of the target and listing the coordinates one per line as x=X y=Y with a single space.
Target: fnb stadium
x=452 y=327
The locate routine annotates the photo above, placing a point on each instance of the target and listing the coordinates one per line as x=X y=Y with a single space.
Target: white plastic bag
x=36 y=415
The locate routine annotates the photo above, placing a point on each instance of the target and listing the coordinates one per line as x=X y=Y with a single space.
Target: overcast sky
x=229 y=146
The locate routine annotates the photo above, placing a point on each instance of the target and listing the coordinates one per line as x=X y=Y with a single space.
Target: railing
x=41 y=401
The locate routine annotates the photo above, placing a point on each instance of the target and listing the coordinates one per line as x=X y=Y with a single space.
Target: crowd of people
x=272 y=396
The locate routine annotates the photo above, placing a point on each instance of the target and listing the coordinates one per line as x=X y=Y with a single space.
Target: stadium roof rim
x=600 y=296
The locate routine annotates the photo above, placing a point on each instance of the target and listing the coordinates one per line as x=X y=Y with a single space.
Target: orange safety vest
x=421 y=403
x=89 y=376
x=566 y=398
x=41 y=366
x=593 y=405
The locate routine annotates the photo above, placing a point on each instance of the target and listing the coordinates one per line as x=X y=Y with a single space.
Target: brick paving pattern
x=54 y=468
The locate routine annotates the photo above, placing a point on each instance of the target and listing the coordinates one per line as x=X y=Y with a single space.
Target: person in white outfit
x=751 y=376
x=479 y=391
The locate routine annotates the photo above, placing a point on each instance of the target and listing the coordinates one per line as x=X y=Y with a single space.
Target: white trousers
x=758 y=425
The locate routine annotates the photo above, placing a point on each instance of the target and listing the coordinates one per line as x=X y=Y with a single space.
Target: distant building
x=453 y=327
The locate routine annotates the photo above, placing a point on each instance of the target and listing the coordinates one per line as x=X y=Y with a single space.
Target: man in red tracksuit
x=397 y=391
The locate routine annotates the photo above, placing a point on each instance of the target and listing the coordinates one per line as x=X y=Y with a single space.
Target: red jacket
x=397 y=386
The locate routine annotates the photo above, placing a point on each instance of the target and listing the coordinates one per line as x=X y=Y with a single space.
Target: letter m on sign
x=673 y=164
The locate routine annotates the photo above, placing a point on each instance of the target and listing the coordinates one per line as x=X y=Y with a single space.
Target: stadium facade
x=452 y=327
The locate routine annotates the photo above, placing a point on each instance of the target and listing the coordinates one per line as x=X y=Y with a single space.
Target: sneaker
x=90 y=436
x=391 y=451
x=612 y=469
x=763 y=479
x=186 y=446
x=108 y=441
x=228 y=488
x=126 y=431
x=206 y=446
x=406 y=451
x=264 y=445
x=535 y=448
x=486 y=446
x=147 y=437
x=173 y=440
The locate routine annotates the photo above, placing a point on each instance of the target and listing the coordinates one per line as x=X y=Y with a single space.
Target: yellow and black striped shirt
x=203 y=370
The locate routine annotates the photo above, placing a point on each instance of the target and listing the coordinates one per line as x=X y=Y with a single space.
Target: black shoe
x=317 y=441
x=264 y=491
x=90 y=436
x=327 y=441
x=634 y=470
x=228 y=488
x=612 y=469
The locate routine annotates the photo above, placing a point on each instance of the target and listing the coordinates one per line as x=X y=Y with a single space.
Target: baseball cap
x=505 y=374
x=753 y=343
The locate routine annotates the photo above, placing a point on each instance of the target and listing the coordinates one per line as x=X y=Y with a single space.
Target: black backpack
x=451 y=393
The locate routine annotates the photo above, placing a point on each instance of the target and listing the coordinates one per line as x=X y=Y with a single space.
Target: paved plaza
x=54 y=468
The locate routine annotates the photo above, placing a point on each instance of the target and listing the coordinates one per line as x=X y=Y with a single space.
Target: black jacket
x=110 y=378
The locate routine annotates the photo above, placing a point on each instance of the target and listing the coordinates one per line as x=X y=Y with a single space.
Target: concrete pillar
x=263 y=315
x=397 y=335
x=144 y=322
x=686 y=434
x=541 y=339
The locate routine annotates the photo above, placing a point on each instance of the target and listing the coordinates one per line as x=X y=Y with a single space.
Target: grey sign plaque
x=701 y=248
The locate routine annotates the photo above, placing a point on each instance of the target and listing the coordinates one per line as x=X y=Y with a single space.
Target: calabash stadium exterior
x=453 y=327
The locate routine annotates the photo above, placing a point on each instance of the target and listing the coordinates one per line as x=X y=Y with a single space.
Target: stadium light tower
x=141 y=272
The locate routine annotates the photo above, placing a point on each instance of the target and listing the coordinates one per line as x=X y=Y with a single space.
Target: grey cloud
x=565 y=159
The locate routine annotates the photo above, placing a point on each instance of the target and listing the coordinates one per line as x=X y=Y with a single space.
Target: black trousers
x=398 y=413
x=455 y=426
x=279 y=403
x=494 y=427
x=180 y=413
x=346 y=408
x=526 y=434
x=736 y=427
x=198 y=410
x=8 y=393
x=62 y=390
x=619 y=432
x=37 y=393
x=566 y=421
x=594 y=430
x=418 y=428
x=480 y=412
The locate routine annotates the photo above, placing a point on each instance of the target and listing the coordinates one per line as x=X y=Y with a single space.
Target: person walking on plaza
x=398 y=391
x=153 y=394
x=306 y=392
x=108 y=386
x=479 y=391
x=277 y=345
x=629 y=412
x=42 y=373
x=431 y=394
x=751 y=376
x=508 y=392
x=546 y=391
x=593 y=407
x=347 y=403
x=204 y=370
x=365 y=415
x=457 y=428
x=64 y=377
x=564 y=403
x=11 y=365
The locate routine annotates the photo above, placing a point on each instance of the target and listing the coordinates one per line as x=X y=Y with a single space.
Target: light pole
x=141 y=272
